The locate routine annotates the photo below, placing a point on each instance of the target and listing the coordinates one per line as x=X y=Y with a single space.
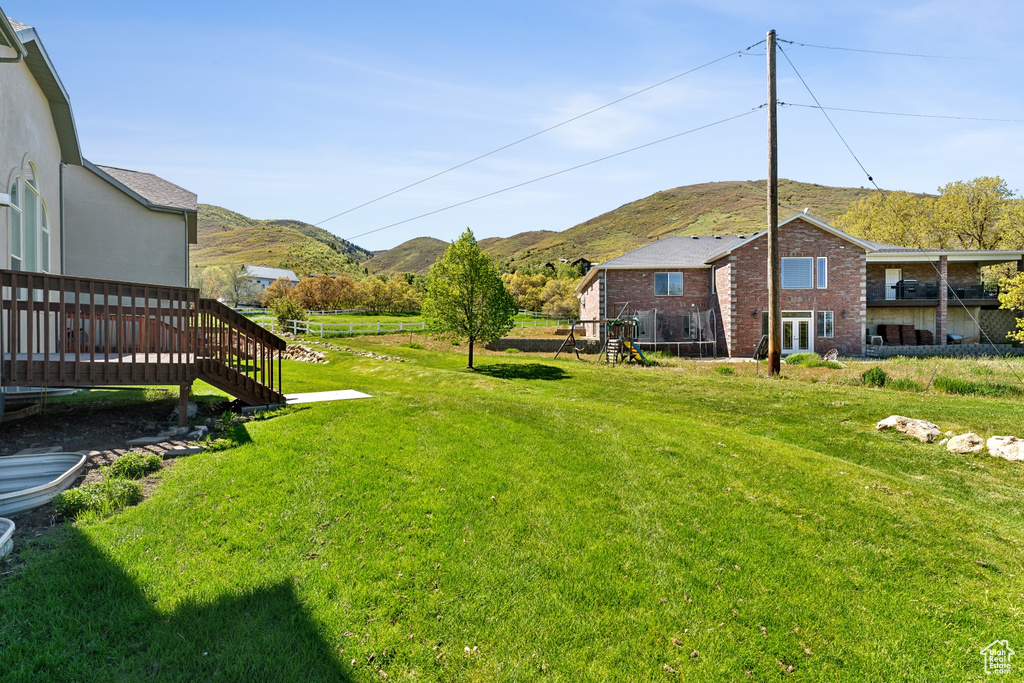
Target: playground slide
x=634 y=352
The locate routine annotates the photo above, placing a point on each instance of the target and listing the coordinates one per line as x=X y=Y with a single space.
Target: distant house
x=837 y=291
x=263 y=276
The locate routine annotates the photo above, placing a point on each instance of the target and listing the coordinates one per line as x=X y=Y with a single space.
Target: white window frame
x=714 y=278
x=826 y=324
x=669 y=276
x=23 y=189
x=821 y=276
x=793 y=259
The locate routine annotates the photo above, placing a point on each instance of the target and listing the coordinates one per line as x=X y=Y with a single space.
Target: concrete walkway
x=323 y=396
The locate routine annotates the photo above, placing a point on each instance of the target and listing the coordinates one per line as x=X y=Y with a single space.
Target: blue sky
x=306 y=109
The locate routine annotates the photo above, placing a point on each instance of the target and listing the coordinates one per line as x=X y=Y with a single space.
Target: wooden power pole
x=774 y=261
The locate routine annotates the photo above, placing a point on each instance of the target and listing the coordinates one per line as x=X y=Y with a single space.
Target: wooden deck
x=61 y=331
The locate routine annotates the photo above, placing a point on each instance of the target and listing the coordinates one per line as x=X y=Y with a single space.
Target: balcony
x=917 y=293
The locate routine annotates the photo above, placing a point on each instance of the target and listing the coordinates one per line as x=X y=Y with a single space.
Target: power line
x=556 y=173
x=892 y=54
x=808 y=88
x=896 y=113
x=541 y=132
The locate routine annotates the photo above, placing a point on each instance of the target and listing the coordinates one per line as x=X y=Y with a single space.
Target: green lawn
x=561 y=519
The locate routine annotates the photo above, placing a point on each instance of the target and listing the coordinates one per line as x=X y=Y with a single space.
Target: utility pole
x=774 y=261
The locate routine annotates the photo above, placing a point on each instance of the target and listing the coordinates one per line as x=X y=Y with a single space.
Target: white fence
x=320 y=329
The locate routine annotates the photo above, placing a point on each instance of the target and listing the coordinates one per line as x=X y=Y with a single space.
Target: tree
x=281 y=288
x=978 y=214
x=236 y=285
x=207 y=280
x=560 y=300
x=465 y=297
x=1011 y=297
x=318 y=293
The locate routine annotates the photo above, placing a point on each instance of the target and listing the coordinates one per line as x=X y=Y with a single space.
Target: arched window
x=30 y=229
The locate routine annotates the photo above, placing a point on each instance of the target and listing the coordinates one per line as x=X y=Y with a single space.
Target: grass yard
x=547 y=520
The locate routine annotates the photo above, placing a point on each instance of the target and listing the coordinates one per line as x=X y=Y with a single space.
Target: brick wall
x=590 y=305
x=845 y=292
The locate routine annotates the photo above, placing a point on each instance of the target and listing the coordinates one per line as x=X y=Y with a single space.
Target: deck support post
x=183 y=393
x=942 y=313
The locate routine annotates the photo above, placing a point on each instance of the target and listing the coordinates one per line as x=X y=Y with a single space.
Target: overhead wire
x=896 y=113
x=942 y=280
x=542 y=132
x=892 y=54
x=557 y=173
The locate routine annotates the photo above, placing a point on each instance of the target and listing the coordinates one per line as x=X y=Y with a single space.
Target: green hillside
x=228 y=237
x=724 y=208
x=414 y=256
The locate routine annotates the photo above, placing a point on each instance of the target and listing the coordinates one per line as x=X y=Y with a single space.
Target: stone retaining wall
x=949 y=350
x=543 y=345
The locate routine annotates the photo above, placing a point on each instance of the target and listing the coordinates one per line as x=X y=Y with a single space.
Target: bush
x=512 y=350
x=286 y=309
x=413 y=345
x=903 y=384
x=103 y=497
x=134 y=465
x=834 y=365
x=725 y=370
x=953 y=385
x=874 y=377
x=801 y=358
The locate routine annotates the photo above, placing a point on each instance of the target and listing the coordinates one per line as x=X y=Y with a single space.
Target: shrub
x=903 y=384
x=134 y=465
x=801 y=358
x=286 y=309
x=512 y=350
x=103 y=497
x=834 y=365
x=413 y=345
x=725 y=370
x=874 y=377
x=953 y=385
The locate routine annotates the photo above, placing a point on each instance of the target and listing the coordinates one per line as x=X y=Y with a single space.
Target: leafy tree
x=318 y=293
x=983 y=213
x=560 y=300
x=526 y=289
x=465 y=297
x=236 y=286
x=207 y=280
x=1012 y=297
x=281 y=288
x=286 y=309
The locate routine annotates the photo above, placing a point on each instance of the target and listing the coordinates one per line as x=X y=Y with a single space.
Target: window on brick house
x=668 y=284
x=826 y=324
x=797 y=272
x=714 y=286
x=822 y=272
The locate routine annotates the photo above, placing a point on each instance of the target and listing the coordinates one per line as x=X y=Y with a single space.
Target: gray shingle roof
x=17 y=25
x=153 y=189
x=676 y=252
x=267 y=273
x=890 y=248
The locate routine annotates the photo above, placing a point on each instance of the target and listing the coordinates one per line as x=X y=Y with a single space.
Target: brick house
x=709 y=294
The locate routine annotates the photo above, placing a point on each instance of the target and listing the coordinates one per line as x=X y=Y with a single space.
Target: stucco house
x=94 y=270
x=837 y=290
x=264 y=276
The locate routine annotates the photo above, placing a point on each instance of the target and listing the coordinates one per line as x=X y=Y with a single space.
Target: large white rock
x=966 y=443
x=1008 y=447
x=920 y=429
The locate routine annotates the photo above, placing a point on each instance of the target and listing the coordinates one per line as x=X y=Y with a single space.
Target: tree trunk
x=470 y=366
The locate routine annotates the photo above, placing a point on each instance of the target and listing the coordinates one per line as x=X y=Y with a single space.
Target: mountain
x=413 y=256
x=228 y=237
x=723 y=208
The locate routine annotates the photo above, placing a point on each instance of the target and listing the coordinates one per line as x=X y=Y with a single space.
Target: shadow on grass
x=523 y=371
x=73 y=614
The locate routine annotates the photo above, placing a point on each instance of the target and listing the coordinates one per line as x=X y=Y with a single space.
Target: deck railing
x=234 y=353
x=59 y=330
x=928 y=291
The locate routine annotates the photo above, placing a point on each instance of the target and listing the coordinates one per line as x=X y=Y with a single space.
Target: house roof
x=148 y=189
x=267 y=273
x=699 y=252
x=9 y=38
x=41 y=68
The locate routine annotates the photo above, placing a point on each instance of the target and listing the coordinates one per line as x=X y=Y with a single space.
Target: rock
x=922 y=430
x=145 y=441
x=966 y=443
x=183 y=450
x=1008 y=447
x=193 y=410
x=943 y=441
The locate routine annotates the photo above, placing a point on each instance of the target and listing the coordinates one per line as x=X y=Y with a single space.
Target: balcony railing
x=909 y=290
